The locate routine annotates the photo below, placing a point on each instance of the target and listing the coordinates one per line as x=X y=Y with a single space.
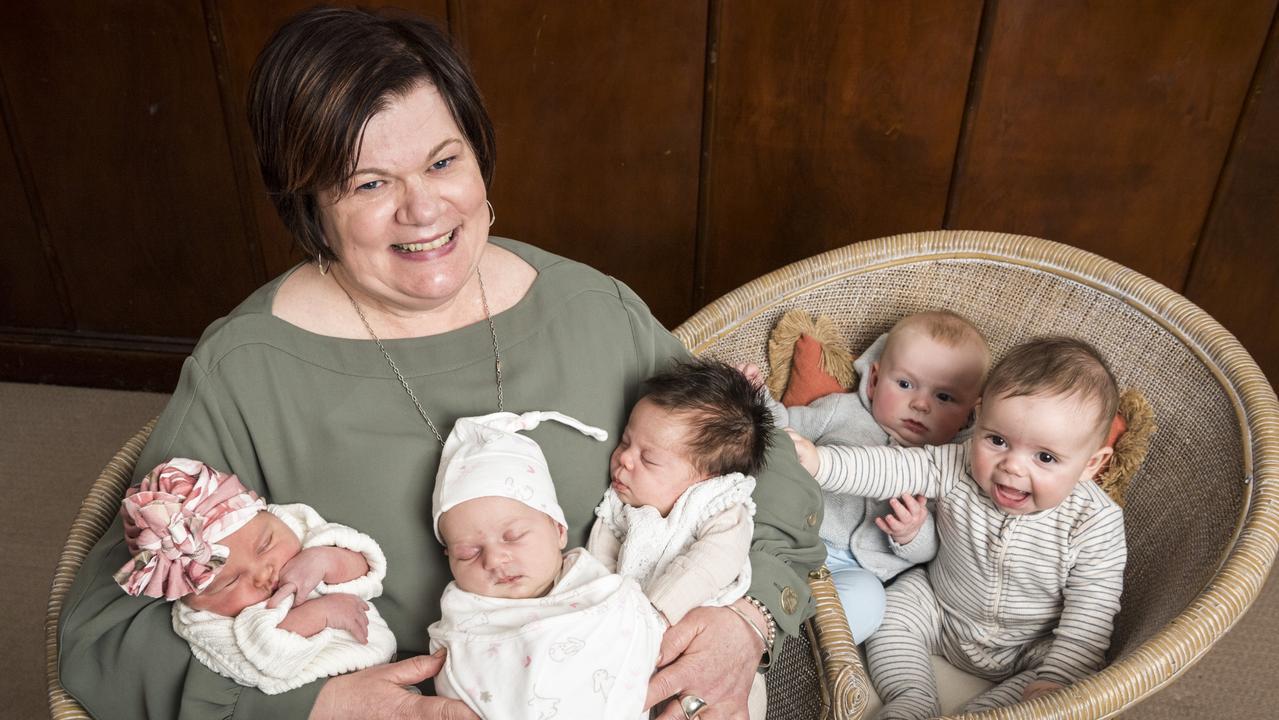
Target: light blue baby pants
x=860 y=592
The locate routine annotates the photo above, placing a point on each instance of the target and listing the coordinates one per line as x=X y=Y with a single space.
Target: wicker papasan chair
x=1202 y=514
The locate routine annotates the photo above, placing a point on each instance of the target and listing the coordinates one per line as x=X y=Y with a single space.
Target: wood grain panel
x=55 y=361
x=117 y=109
x=244 y=26
x=28 y=297
x=1236 y=270
x=1105 y=125
x=833 y=122
x=598 y=110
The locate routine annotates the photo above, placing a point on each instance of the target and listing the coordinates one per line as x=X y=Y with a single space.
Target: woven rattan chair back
x=96 y=513
x=1201 y=516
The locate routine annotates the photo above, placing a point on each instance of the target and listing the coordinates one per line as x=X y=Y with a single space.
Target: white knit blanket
x=252 y=650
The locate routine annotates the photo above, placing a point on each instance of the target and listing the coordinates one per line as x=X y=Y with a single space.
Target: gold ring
x=691 y=705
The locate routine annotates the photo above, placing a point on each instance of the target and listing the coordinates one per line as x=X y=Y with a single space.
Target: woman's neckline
x=521 y=252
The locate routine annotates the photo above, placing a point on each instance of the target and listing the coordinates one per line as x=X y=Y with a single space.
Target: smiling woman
x=387 y=185
x=333 y=384
x=407 y=233
x=320 y=80
x=410 y=226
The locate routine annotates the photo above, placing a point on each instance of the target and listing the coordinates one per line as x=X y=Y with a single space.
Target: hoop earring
x=492 y=214
x=319 y=263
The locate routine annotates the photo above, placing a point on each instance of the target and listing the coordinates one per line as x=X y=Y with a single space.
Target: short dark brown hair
x=317 y=82
x=1061 y=366
x=731 y=424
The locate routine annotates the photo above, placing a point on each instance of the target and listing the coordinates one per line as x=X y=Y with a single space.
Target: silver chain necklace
x=497 y=355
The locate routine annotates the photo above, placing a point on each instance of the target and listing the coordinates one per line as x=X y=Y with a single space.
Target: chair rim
x=1240 y=574
x=96 y=513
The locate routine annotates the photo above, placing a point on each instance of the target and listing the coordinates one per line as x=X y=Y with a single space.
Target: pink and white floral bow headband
x=173 y=520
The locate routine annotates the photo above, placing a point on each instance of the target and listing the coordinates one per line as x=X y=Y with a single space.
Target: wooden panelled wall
x=685 y=147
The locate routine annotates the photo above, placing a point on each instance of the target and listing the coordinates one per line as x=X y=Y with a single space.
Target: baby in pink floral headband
x=271 y=596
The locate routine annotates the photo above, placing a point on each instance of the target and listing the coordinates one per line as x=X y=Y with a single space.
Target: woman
x=333 y=384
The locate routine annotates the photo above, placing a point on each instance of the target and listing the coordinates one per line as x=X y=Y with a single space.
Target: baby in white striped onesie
x=1027 y=579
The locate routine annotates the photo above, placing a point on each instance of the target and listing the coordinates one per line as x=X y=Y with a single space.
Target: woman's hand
x=711 y=654
x=805 y=450
x=379 y=693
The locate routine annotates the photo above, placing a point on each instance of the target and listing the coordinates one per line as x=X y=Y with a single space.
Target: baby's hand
x=752 y=373
x=908 y=516
x=340 y=611
x=806 y=451
x=286 y=590
x=1039 y=687
x=304 y=571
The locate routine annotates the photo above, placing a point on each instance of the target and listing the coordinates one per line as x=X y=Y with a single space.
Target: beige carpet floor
x=55 y=440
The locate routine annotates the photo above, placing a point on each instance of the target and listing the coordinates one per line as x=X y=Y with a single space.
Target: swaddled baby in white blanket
x=271 y=596
x=530 y=632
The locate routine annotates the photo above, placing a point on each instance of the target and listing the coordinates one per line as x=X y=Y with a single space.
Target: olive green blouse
x=307 y=418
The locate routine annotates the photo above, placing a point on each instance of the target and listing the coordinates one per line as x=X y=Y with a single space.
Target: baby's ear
x=563 y=535
x=874 y=378
x=1095 y=463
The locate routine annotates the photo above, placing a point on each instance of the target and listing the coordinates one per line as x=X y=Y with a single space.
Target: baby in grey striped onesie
x=1027 y=579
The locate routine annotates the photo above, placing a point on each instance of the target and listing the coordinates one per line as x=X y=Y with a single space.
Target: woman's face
x=413 y=223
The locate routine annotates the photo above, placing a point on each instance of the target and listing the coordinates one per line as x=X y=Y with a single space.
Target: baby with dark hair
x=728 y=421
x=678 y=512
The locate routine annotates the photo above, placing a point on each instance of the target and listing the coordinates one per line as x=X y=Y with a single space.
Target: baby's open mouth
x=1010 y=497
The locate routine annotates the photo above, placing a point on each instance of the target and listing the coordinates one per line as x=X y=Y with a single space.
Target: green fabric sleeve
x=786 y=546
x=119 y=656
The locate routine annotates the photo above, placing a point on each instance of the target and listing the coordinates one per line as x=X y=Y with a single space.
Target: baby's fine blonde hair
x=1057 y=366
x=948 y=328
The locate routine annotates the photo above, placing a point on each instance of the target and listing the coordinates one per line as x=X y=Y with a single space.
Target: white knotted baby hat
x=485 y=456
